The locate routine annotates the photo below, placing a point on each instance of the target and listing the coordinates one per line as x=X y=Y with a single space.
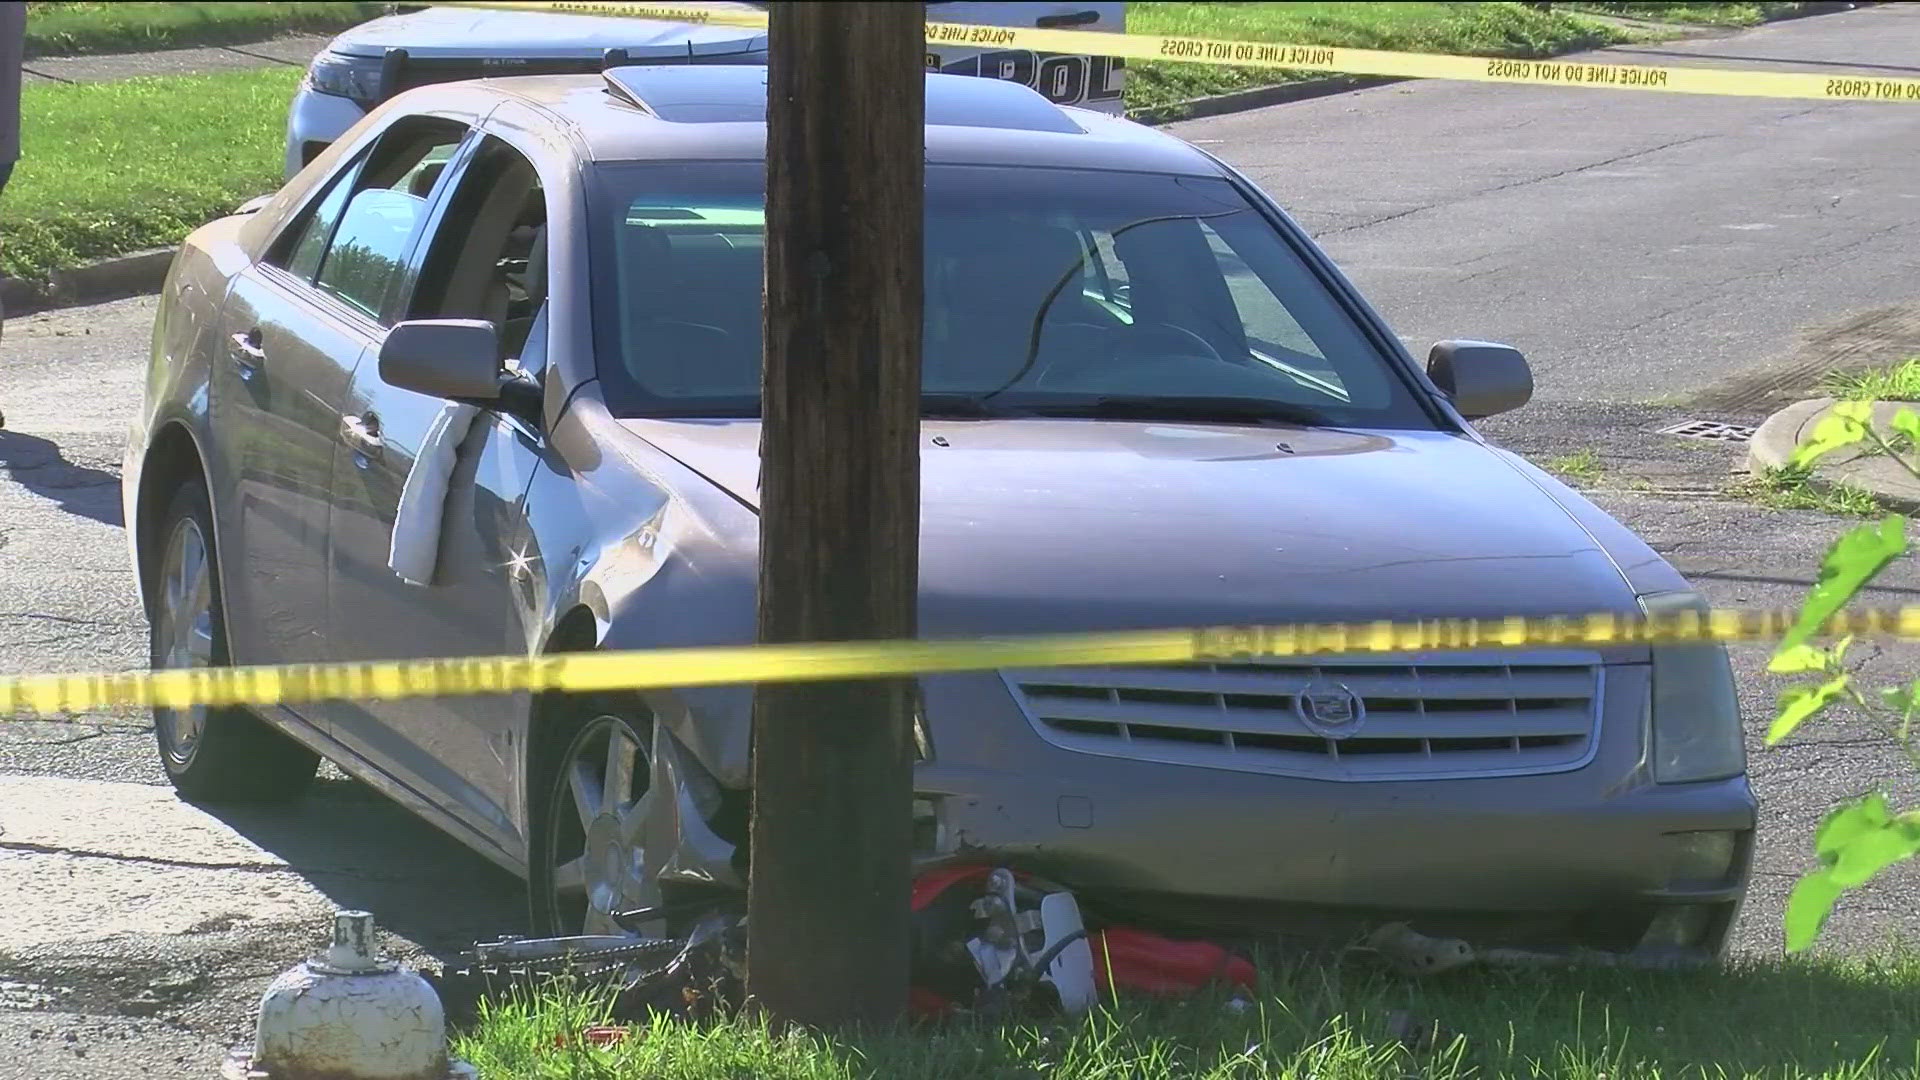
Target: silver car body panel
x=645 y=533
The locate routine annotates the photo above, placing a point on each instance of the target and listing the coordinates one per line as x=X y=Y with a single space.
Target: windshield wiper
x=964 y=407
x=1159 y=407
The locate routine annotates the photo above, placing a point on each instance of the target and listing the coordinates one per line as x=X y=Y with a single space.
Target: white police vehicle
x=371 y=62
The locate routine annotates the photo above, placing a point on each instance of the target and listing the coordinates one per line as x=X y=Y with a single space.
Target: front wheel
x=588 y=852
x=210 y=754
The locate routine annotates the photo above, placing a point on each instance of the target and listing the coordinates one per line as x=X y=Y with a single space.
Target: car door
x=295 y=325
x=484 y=259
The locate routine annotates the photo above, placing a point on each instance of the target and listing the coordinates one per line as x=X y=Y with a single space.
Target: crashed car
x=368 y=63
x=484 y=379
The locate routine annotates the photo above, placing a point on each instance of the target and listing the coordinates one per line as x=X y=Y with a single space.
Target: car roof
x=683 y=112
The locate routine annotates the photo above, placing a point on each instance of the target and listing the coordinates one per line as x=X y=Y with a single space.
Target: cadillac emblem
x=1329 y=710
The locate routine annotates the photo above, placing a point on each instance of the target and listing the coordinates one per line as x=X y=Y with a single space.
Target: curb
x=1772 y=447
x=1822 y=7
x=90 y=283
x=1773 y=441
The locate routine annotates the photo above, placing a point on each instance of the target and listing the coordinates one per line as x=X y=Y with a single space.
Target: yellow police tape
x=50 y=695
x=1672 y=80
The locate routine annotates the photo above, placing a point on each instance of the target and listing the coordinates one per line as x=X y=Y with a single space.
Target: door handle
x=1077 y=18
x=362 y=433
x=248 y=353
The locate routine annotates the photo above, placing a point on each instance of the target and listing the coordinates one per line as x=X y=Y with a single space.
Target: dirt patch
x=1867 y=339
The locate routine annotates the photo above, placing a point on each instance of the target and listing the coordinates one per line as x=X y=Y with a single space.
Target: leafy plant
x=1863 y=836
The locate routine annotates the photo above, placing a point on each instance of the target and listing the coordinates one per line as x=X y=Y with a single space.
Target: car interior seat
x=1177 y=281
x=423 y=181
x=987 y=283
x=668 y=355
x=517 y=313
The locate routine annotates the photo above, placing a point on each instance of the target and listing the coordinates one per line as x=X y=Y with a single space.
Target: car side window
x=1269 y=323
x=488 y=256
x=1107 y=281
x=365 y=262
x=303 y=260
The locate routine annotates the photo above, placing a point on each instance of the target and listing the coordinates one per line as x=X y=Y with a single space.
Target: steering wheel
x=1138 y=343
x=1161 y=341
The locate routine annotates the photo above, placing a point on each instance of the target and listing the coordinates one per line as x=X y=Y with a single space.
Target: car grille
x=1430 y=720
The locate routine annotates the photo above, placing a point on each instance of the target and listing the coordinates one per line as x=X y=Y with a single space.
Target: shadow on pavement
x=37 y=465
x=366 y=853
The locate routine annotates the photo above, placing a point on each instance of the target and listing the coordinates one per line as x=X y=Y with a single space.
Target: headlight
x=356 y=77
x=1696 y=713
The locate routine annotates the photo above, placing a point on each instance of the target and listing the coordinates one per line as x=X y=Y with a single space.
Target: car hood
x=469 y=32
x=1050 y=526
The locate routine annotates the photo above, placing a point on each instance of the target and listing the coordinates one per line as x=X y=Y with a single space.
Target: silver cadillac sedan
x=483 y=378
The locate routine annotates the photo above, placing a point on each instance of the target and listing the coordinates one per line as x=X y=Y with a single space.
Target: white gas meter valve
x=349 y=1014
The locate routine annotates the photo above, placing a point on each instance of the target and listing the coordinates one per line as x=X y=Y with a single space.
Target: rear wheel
x=210 y=754
x=588 y=852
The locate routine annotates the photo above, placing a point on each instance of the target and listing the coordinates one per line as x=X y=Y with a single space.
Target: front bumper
x=1598 y=856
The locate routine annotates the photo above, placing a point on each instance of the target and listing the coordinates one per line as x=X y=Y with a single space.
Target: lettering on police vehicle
x=1063 y=80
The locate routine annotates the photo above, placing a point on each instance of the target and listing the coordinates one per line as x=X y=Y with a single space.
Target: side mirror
x=1480 y=377
x=447 y=358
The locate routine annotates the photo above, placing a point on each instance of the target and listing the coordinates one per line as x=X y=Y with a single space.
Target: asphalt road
x=1659 y=258
x=1636 y=246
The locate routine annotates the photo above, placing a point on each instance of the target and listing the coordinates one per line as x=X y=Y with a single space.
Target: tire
x=569 y=757
x=211 y=755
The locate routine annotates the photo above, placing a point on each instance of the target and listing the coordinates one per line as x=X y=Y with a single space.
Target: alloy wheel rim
x=600 y=804
x=186 y=626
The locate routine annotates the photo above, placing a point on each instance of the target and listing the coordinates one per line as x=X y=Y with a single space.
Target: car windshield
x=1049 y=292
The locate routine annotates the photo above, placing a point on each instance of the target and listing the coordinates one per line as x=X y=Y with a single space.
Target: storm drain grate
x=1711 y=430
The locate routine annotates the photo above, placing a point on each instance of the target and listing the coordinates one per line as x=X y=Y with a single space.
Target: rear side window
x=364 y=264
x=357 y=244
x=304 y=260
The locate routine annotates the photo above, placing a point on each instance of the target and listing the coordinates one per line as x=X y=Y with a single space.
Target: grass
x=114 y=167
x=1702 y=14
x=1823 y=1017
x=1487 y=29
x=1900 y=382
x=74 y=29
x=1581 y=465
x=1788 y=488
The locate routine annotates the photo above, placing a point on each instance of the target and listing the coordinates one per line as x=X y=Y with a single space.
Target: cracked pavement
x=137 y=932
x=1658 y=257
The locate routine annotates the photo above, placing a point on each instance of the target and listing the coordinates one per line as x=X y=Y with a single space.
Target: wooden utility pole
x=839 y=507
